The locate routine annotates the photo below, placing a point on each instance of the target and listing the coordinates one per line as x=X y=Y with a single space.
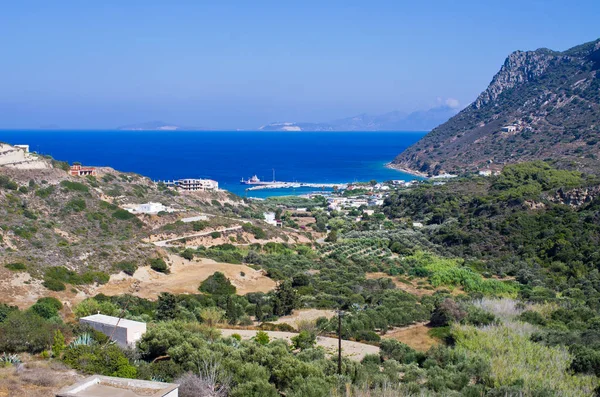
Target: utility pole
x=340 y=313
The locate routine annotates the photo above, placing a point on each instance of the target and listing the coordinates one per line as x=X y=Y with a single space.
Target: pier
x=292 y=185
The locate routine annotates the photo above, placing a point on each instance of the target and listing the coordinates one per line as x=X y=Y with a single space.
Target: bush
x=54 y=285
x=122 y=215
x=217 y=284
x=159 y=265
x=15 y=267
x=6 y=183
x=395 y=350
x=446 y=312
x=25 y=332
x=74 y=186
x=262 y=338
x=46 y=307
x=128 y=268
x=304 y=340
x=215 y=234
x=75 y=205
x=99 y=359
x=188 y=254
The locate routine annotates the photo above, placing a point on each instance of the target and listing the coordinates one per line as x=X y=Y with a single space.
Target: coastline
x=406 y=170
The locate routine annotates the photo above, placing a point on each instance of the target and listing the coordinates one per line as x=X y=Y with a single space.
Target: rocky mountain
x=423 y=120
x=542 y=104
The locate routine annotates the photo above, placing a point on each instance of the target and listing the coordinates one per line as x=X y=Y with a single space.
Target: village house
x=124 y=332
x=100 y=386
x=79 y=170
x=509 y=128
x=148 y=208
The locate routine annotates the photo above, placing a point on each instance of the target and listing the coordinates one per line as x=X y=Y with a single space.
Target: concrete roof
x=107 y=386
x=110 y=320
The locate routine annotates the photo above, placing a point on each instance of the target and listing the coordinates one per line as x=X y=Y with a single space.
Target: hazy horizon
x=239 y=66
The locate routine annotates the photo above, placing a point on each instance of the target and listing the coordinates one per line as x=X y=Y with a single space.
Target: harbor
x=257 y=184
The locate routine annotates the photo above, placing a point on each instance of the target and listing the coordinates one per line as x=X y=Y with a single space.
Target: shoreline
x=392 y=166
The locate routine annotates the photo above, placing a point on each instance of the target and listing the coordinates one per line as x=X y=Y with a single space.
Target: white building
x=193 y=185
x=124 y=332
x=444 y=176
x=99 y=386
x=148 y=208
x=270 y=219
x=509 y=128
x=25 y=148
x=417 y=224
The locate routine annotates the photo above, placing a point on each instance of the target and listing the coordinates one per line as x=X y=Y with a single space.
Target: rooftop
x=106 y=386
x=110 y=320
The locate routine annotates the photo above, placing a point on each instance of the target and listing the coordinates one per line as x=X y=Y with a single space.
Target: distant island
x=155 y=126
x=422 y=120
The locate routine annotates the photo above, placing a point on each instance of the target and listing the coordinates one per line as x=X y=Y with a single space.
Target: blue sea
x=228 y=156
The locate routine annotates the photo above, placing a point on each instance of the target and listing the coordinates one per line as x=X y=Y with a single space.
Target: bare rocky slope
x=552 y=99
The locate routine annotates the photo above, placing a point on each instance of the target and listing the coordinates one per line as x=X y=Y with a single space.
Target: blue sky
x=226 y=64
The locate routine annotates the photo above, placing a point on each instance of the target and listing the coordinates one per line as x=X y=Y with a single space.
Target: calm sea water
x=327 y=157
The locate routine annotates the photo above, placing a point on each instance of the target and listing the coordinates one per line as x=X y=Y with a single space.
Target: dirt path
x=353 y=350
x=185 y=278
x=165 y=243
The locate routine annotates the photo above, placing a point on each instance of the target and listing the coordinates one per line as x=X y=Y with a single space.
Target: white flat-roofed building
x=104 y=386
x=147 y=208
x=124 y=332
x=509 y=128
x=193 y=185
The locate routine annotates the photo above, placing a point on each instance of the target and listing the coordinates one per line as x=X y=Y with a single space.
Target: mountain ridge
x=422 y=120
x=541 y=105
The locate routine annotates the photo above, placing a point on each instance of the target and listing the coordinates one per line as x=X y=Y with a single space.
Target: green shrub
x=304 y=340
x=6 y=183
x=217 y=284
x=215 y=234
x=15 y=267
x=45 y=192
x=75 y=205
x=54 y=285
x=159 y=265
x=188 y=254
x=128 y=268
x=25 y=332
x=122 y=215
x=46 y=307
x=74 y=186
x=98 y=359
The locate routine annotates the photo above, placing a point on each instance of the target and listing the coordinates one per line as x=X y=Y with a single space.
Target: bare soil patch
x=301 y=315
x=185 y=278
x=415 y=336
x=35 y=379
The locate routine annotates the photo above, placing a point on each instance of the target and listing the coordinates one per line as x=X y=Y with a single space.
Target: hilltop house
x=509 y=128
x=79 y=170
x=124 y=332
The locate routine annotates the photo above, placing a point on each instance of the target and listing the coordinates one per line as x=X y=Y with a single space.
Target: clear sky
x=225 y=64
